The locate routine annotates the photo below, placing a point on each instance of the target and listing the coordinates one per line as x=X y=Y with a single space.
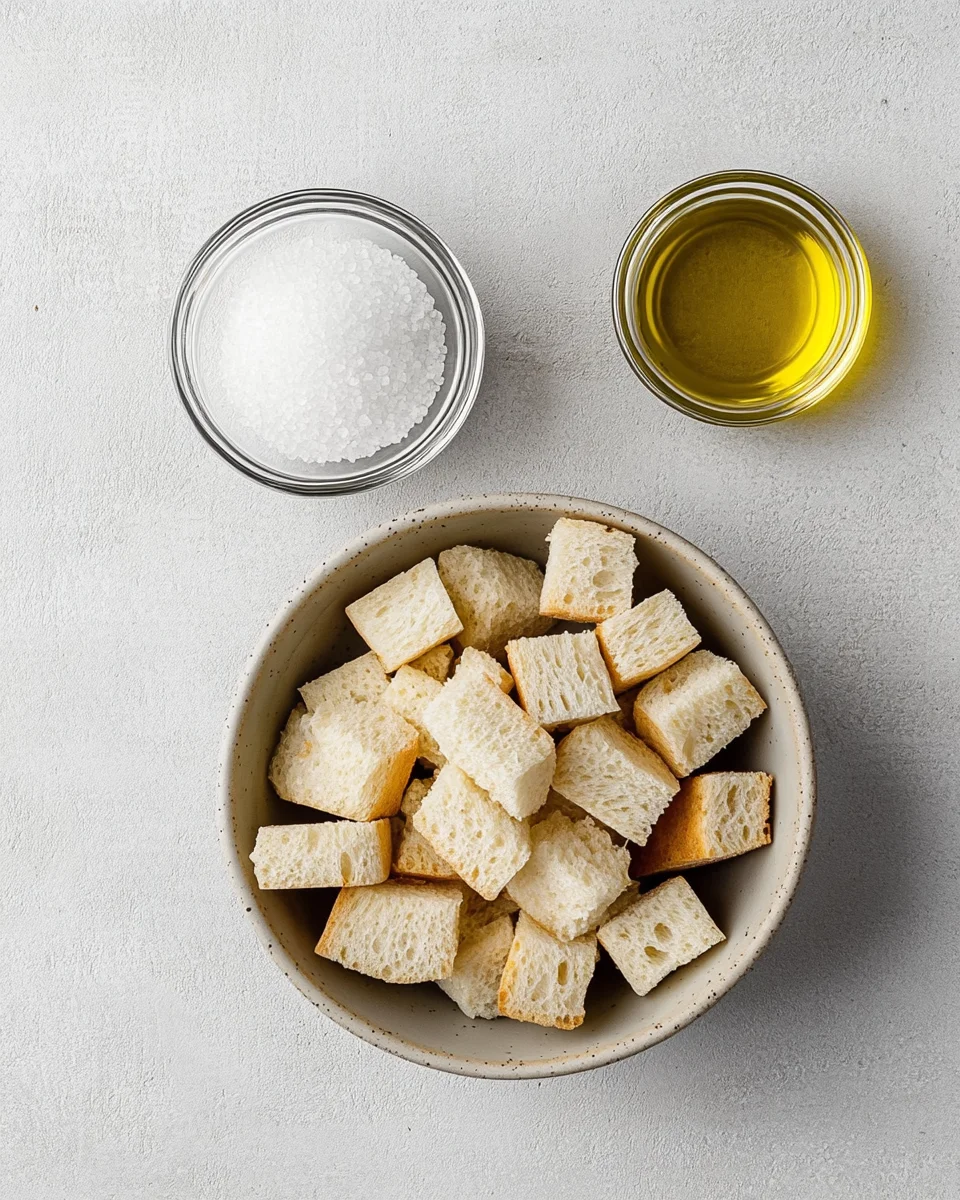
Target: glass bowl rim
x=435 y=433
x=778 y=190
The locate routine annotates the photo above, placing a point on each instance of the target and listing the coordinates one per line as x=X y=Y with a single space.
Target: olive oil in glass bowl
x=741 y=298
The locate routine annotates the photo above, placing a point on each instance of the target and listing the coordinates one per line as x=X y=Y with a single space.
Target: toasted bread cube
x=545 y=980
x=491 y=739
x=714 y=816
x=484 y=844
x=660 y=932
x=496 y=595
x=352 y=762
x=614 y=777
x=475 y=982
x=409 y=693
x=646 y=640
x=406 y=616
x=693 y=709
x=413 y=854
x=561 y=679
x=589 y=575
x=436 y=662
x=573 y=874
x=363 y=679
x=324 y=854
x=401 y=931
x=478 y=662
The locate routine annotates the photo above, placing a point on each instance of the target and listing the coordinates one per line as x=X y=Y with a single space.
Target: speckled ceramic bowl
x=747 y=896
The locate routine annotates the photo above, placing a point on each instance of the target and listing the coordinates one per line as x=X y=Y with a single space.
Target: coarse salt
x=328 y=348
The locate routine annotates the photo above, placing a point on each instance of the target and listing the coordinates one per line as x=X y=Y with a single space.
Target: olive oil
x=737 y=302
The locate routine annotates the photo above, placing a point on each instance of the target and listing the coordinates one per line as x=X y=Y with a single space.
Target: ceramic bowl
x=747 y=896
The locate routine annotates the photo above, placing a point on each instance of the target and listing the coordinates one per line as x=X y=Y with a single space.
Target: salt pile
x=330 y=347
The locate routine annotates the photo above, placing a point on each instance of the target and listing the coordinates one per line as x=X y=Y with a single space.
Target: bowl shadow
x=856 y=918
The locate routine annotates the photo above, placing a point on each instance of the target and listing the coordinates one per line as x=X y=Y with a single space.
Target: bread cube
x=625 y=717
x=646 y=640
x=363 y=679
x=401 y=931
x=477 y=662
x=714 y=816
x=614 y=777
x=573 y=874
x=477 y=912
x=352 y=762
x=561 y=679
x=545 y=980
x=413 y=854
x=690 y=711
x=436 y=662
x=291 y=751
x=622 y=902
x=557 y=803
x=406 y=616
x=496 y=595
x=589 y=575
x=409 y=693
x=491 y=739
x=660 y=932
x=475 y=981
x=324 y=854
x=485 y=846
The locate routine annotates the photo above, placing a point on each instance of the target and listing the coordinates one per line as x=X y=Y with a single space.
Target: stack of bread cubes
x=493 y=779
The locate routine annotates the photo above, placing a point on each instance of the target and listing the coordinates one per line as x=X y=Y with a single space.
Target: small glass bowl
x=823 y=222
x=352 y=214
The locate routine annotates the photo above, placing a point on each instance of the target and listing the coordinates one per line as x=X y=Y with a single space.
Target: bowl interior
x=746 y=896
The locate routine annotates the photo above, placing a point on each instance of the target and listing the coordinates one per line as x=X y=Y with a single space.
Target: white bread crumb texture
x=589 y=574
x=615 y=777
x=406 y=616
x=351 y=762
x=322 y=855
x=715 y=816
x=692 y=710
x=408 y=694
x=663 y=930
x=476 y=662
x=436 y=662
x=545 y=980
x=413 y=855
x=736 y=811
x=362 y=679
x=496 y=595
x=465 y=827
x=640 y=643
x=474 y=983
x=573 y=874
x=490 y=738
x=561 y=679
x=401 y=931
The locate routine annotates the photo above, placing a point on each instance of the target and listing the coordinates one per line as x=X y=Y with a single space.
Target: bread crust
x=679 y=840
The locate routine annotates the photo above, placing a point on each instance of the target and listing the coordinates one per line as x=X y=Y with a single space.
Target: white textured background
x=147 y=1048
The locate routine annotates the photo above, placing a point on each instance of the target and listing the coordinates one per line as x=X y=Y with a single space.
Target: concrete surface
x=148 y=1049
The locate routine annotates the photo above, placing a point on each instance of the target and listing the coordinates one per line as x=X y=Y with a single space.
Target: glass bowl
x=784 y=200
x=349 y=214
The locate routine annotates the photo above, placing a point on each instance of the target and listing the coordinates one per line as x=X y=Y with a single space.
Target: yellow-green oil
x=737 y=303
